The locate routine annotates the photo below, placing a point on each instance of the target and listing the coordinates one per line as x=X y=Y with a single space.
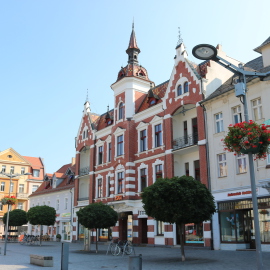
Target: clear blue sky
x=53 y=51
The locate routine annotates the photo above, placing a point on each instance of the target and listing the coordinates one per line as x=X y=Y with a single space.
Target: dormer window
x=153 y=101
x=179 y=90
x=109 y=122
x=121 y=111
x=186 y=87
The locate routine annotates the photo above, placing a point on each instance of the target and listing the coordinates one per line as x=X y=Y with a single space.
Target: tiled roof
x=159 y=90
x=258 y=49
x=35 y=161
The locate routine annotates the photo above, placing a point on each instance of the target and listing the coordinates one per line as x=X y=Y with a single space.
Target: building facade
x=233 y=226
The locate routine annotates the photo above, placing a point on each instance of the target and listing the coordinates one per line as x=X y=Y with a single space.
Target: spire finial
x=108 y=108
x=133 y=24
x=86 y=96
x=180 y=40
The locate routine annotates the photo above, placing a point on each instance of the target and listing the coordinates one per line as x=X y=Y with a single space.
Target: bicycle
x=118 y=246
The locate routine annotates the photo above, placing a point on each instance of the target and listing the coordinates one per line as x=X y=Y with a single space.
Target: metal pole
x=6 y=234
x=254 y=193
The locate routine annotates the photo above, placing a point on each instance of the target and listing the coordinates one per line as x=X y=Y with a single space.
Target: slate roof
x=253 y=65
x=258 y=49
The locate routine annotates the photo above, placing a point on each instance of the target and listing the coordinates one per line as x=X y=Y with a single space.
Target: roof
x=35 y=161
x=259 y=48
x=132 y=41
x=253 y=65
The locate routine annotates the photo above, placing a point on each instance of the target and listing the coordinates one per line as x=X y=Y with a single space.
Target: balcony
x=185 y=141
x=22 y=195
x=84 y=171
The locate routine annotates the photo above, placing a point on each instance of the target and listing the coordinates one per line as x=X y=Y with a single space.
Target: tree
x=17 y=217
x=178 y=200
x=97 y=216
x=41 y=215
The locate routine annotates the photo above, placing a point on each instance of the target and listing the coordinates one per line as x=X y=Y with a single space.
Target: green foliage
x=17 y=217
x=178 y=200
x=58 y=236
x=41 y=215
x=97 y=216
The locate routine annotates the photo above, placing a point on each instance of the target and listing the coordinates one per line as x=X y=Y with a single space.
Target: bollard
x=135 y=262
x=64 y=256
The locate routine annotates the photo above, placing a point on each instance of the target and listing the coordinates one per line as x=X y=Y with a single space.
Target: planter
x=252 y=150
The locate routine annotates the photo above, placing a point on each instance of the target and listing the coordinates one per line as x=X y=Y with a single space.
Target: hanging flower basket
x=264 y=212
x=11 y=200
x=248 y=137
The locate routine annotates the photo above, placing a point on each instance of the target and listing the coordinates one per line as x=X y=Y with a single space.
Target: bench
x=46 y=261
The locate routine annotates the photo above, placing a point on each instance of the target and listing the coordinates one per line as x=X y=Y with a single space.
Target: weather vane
x=180 y=40
x=86 y=96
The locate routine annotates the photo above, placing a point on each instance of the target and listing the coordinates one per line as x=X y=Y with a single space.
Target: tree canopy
x=41 y=215
x=17 y=217
x=178 y=200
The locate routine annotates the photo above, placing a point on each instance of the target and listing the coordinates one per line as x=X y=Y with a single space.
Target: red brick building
x=153 y=131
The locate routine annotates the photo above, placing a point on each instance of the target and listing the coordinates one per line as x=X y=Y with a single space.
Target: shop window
x=241 y=163
x=160 y=227
x=222 y=165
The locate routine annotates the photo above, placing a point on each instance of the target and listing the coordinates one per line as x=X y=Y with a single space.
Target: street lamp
x=209 y=52
x=10 y=175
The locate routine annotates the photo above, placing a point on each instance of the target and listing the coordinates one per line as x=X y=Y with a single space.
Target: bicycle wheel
x=115 y=249
x=129 y=249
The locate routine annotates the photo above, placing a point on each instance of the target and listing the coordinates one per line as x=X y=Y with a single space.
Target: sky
x=51 y=52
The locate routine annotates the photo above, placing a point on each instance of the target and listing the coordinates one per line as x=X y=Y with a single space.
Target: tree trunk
x=181 y=233
x=96 y=240
x=41 y=228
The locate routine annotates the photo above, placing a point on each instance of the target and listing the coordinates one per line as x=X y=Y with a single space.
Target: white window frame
x=237 y=113
x=119 y=168
x=57 y=204
x=36 y=186
x=223 y=163
x=22 y=170
x=219 y=122
x=98 y=144
x=12 y=169
x=142 y=166
x=142 y=126
x=109 y=184
x=243 y=159
x=108 y=141
x=118 y=132
x=11 y=187
x=257 y=107
x=21 y=188
x=163 y=228
x=157 y=162
x=2 y=188
x=4 y=168
x=154 y=122
x=66 y=203
x=181 y=82
x=34 y=171
x=99 y=177
x=20 y=205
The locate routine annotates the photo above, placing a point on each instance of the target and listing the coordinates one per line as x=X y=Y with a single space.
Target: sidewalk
x=157 y=258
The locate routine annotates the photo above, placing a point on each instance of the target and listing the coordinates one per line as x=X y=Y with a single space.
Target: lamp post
x=10 y=175
x=209 y=52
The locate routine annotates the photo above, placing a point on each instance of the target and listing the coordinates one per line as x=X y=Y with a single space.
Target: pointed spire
x=180 y=40
x=133 y=49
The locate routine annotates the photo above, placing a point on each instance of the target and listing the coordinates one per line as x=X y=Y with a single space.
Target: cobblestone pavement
x=157 y=258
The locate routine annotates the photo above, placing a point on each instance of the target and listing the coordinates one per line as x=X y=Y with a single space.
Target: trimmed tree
x=17 y=217
x=97 y=216
x=41 y=215
x=178 y=200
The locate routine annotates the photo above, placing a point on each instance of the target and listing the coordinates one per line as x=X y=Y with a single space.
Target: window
x=222 y=165
x=22 y=170
x=187 y=168
x=241 y=163
x=34 y=188
x=143 y=179
x=48 y=203
x=120 y=143
x=36 y=173
x=153 y=101
x=143 y=140
x=57 y=204
x=268 y=156
x=237 y=115
x=257 y=109
x=21 y=188
x=11 y=169
x=1 y=207
x=197 y=175
x=121 y=111
x=108 y=186
x=185 y=132
x=20 y=205
x=186 y=87
x=158 y=171
x=66 y=203
x=99 y=193
x=219 y=122
x=179 y=90
x=2 y=186
x=11 y=187
x=100 y=154
x=160 y=227
x=3 y=168
x=109 y=152
x=158 y=135
x=120 y=178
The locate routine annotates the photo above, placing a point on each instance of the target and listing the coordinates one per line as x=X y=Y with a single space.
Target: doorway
x=143 y=230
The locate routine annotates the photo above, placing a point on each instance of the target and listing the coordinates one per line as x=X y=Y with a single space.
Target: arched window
x=121 y=111
x=179 y=90
x=186 y=87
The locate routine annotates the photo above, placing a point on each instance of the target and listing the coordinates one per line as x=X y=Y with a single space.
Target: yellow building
x=20 y=186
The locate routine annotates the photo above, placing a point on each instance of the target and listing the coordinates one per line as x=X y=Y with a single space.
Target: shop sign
x=118 y=198
x=239 y=193
x=65 y=214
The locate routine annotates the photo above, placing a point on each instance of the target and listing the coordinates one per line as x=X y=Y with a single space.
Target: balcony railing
x=83 y=199
x=22 y=195
x=185 y=141
x=84 y=171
